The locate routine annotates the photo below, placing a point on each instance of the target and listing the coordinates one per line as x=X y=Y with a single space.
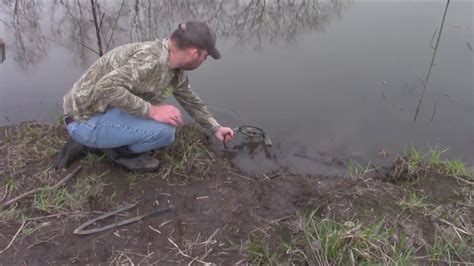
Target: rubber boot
x=70 y=151
x=136 y=162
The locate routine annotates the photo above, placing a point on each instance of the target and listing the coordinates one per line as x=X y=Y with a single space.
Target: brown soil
x=216 y=208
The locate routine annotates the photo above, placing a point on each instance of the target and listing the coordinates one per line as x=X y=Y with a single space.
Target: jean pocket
x=83 y=132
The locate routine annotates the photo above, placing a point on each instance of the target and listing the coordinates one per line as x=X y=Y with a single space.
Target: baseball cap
x=201 y=35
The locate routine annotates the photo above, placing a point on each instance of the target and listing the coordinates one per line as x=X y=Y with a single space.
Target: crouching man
x=116 y=105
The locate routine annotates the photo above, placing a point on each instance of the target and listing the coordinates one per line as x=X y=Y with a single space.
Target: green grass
x=50 y=151
x=8 y=136
x=12 y=185
x=186 y=154
x=32 y=132
x=415 y=157
x=413 y=201
x=359 y=171
x=62 y=199
x=92 y=158
x=132 y=179
x=35 y=227
x=59 y=119
x=448 y=212
x=16 y=165
x=433 y=161
x=435 y=157
x=175 y=164
x=110 y=200
x=258 y=254
x=11 y=214
x=448 y=247
x=453 y=167
x=51 y=200
x=58 y=200
x=456 y=167
x=87 y=188
x=324 y=241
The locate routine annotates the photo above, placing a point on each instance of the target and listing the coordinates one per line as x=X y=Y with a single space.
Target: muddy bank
x=415 y=212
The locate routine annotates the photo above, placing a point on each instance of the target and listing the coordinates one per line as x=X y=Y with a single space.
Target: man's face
x=192 y=58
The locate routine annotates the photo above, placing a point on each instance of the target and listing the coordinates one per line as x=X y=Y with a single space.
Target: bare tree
x=21 y=18
x=92 y=27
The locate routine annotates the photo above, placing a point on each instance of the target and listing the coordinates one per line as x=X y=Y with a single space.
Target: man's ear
x=194 y=52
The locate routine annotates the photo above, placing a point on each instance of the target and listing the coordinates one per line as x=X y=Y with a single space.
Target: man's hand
x=224 y=134
x=166 y=114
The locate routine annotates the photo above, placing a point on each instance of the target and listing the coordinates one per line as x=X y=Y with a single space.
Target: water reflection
x=91 y=27
x=2 y=51
x=348 y=94
x=21 y=18
x=428 y=74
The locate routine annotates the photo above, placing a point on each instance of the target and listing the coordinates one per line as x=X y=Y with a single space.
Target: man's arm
x=117 y=88
x=193 y=104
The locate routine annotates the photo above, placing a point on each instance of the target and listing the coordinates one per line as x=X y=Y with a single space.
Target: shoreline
x=418 y=211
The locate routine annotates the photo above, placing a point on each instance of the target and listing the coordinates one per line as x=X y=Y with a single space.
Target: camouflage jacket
x=132 y=77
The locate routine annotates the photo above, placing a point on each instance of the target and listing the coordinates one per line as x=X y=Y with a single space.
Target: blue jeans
x=116 y=128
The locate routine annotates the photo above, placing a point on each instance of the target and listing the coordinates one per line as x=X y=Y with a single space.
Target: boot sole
x=151 y=170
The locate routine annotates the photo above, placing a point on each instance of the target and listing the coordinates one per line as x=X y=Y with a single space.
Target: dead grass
x=188 y=155
x=420 y=230
x=427 y=225
x=325 y=241
x=418 y=164
x=28 y=147
x=195 y=250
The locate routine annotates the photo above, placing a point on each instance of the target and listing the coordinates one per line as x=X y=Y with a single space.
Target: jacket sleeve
x=193 y=104
x=117 y=88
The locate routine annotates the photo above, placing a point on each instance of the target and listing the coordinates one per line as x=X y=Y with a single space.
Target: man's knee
x=164 y=135
x=169 y=134
x=158 y=136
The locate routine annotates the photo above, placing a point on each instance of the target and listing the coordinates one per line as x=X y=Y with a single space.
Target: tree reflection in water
x=30 y=24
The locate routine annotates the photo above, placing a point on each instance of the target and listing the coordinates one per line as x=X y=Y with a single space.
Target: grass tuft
x=32 y=132
x=85 y=189
x=415 y=157
x=92 y=158
x=324 y=241
x=456 y=167
x=413 y=201
x=448 y=247
x=187 y=154
x=11 y=214
x=358 y=171
x=52 y=200
x=258 y=254
x=432 y=161
x=60 y=119
x=12 y=185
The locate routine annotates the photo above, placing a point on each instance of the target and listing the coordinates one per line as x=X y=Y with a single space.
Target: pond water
x=329 y=81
